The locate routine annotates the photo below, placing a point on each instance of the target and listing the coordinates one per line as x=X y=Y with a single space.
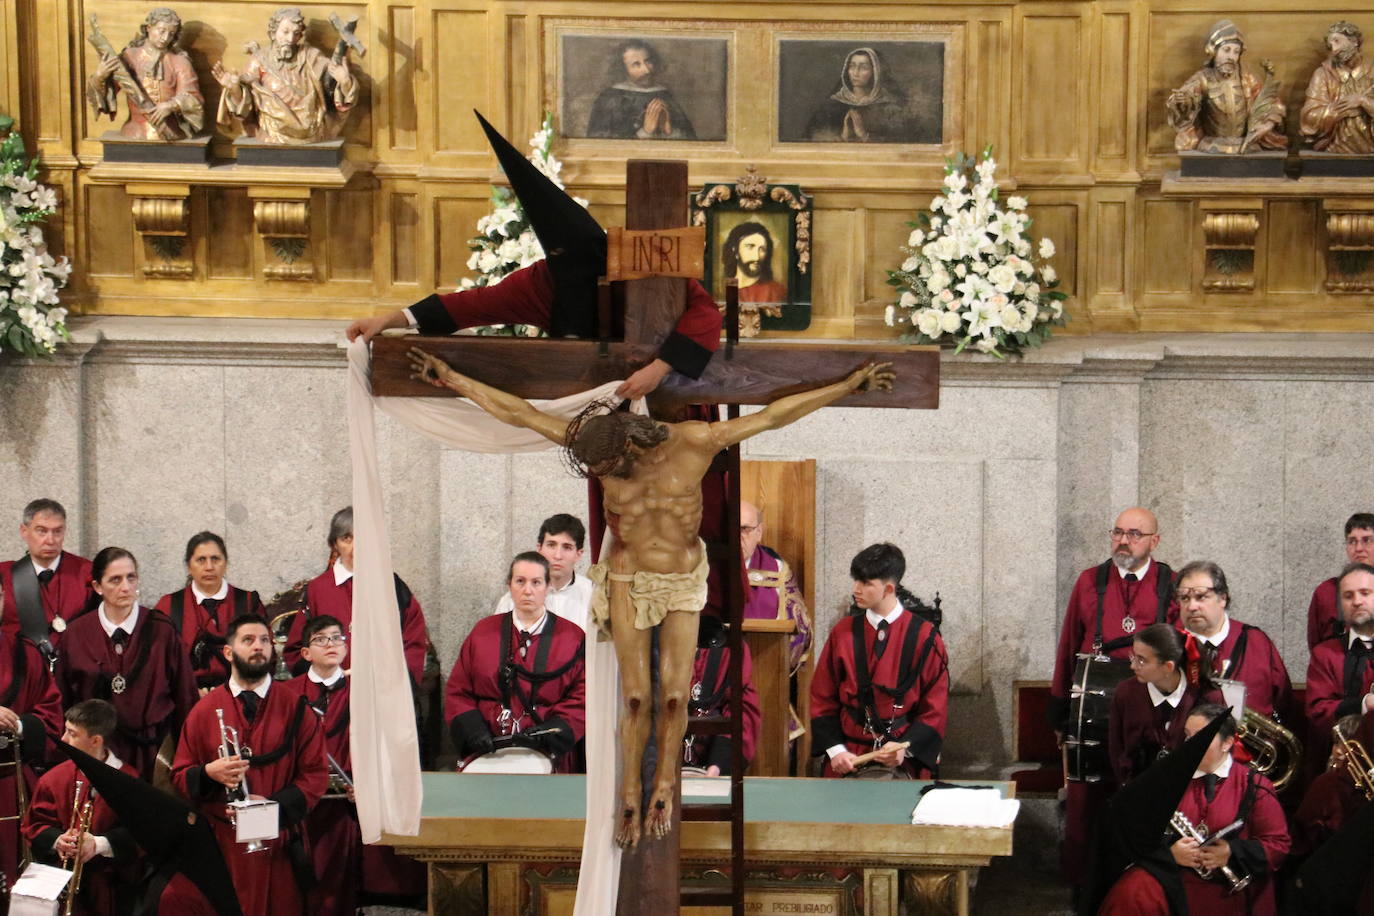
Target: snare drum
x=521 y=760
x=1095 y=679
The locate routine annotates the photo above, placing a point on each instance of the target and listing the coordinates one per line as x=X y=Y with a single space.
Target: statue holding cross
x=654 y=573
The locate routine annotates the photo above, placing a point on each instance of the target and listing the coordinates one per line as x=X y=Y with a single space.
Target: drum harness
x=699 y=703
x=1164 y=591
x=33 y=619
x=510 y=676
x=866 y=714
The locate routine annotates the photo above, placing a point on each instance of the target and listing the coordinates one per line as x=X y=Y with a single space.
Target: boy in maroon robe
x=1324 y=611
x=1339 y=673
x=882 y=680
x=61 y=580
x=519 y=672
x=1223 y=791
x=107 y=849
x=130 y=656
x=331 y=592
x=31 y=714
x=1238 y=651
x=287 y=765
x=710 y=696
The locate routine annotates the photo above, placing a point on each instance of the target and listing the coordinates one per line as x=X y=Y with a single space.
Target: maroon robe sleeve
x=1136 y=893
x=1325 y=684
x=720 y=753
x=826 y=728
x=1321 y=613
x=569 y=705
x=1077 y=616
x=48 y=813
x=471 y=733
x=1281 y=684
x=414 y=639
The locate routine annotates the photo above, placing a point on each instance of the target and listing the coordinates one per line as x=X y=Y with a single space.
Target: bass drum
x=518 y=760
x=1095 y=679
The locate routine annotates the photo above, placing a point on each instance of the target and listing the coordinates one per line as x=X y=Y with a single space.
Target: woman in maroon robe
x=200 y=611
x=30 y=707
x=287 y=766
x=130 y=656
x=1148 y=712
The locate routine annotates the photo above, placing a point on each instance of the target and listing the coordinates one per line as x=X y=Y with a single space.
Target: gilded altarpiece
x=1069 y=94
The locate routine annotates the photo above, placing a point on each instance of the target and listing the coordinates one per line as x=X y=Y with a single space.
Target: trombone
x=81 y=822
x=10 y=742
x=229 y=746
x=1356 y=761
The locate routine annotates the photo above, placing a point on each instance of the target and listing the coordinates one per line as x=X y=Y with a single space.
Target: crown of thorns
x=576 y=425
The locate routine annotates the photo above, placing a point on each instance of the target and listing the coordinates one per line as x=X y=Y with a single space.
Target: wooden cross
x=755 y=373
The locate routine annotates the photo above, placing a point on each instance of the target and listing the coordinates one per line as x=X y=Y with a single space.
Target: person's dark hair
x=204 y=537
x=615 y=67
x=1352 y=568
x=884 y=562
x=597 y=443
x=1213 y=571
x=729 y=250
x=316 y=625
x=563 y=523
x=1210 y=711
x=160 y=14
x=1349 y=30
x=1363 y=520
x=50 y=506
x=99 y=564
x=529 y=556
x=242 y=621
x=97 y=717
x=341 y=525
x=1164 y=641
x=1350 y=724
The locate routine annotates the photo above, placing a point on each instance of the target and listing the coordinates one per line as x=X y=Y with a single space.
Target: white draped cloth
x=385 y=747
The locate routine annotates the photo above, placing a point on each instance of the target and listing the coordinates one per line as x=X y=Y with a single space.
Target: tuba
x=81 y=822
x=1356 y=761
x=1274 y=750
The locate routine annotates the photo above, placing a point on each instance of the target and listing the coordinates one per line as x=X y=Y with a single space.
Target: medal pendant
x=59 y=625
x=118 y=684
x=1128 y=625
x=523 y=651
x=696 y=690
x=882 y=635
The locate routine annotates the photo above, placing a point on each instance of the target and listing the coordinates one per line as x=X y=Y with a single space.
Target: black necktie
x=120 y=637
x=322 y=701
x=1209 y=785
x=250 y=704
x=524 y=637
x=45 y=576
x=211 y=605
x=880 y=644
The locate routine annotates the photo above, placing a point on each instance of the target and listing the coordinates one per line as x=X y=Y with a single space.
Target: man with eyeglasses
x=1323 y=612
x=1340 y=675
x=1110 y=602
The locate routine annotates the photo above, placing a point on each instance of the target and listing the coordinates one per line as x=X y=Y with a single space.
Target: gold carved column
x=161 y=215
x=281 y=216
x=1229 y=232
x=1349 y=245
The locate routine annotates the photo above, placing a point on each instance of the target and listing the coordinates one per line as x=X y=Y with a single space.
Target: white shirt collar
x=874 y=618
x=1352 y=636
x=341 y=573
x=326 y=681
x=572 y=580
x=1158 y=696
x=127 y=625
x=1220 y=636
x=538 y=624
x=235 y=688
x=1222 y=771
x=217 y=596
x=1139 y=573
x=39 y=567
x=112 y=760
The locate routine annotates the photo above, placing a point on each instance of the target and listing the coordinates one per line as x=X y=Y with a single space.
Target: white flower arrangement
x=968 y=277
x=31 y=321
x=505 y=241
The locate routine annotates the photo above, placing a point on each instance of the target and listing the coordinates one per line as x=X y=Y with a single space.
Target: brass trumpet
x=81 y=821
x=1274 y=750
x=10 y=742
x=229 y=746
x=1356 y=761
x=1186 y=830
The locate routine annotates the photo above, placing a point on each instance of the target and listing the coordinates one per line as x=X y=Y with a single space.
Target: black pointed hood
x=574 y=242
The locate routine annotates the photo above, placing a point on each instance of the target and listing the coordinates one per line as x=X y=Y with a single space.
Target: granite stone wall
x=1251 y=448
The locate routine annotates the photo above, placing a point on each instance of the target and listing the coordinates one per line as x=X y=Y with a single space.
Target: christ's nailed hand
x=875 y=377
x=428 y=368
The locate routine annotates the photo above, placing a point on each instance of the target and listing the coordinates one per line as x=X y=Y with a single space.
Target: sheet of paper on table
x=965 y=808
x=706 y=786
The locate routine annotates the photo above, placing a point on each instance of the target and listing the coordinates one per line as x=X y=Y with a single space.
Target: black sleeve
x=925 y=745
x=825 y=733
x=199 y=786
x=33 y=746
x=1057 y=713
x=293 y=806
x=123 y=849
x=1249 y=856
x=559 y=742
x=43 y=845
x=1349 y=706
x=684 y=354
x=470 y=734
x=431 y=317
x=719 y=754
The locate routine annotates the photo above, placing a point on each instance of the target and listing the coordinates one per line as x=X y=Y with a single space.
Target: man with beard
x=52 y=583
x=1338 y=115
x=290 y=92
x=154 y=59
x=1323 y=612
x=1224 y=108
x=286 y=765
x=1339 y=674
x=636 y=106
x=1109 y=603
x=747 y=255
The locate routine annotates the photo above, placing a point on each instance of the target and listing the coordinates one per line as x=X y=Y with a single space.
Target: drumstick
x=869 y=757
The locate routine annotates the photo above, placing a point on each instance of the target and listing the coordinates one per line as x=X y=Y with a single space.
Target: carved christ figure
x=654 y=572
x=1338 y=114
x=1224 y=108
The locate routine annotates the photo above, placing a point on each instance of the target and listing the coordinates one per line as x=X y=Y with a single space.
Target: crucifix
x=650 y=259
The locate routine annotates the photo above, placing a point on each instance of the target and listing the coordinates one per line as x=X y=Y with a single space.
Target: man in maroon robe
x=331 y=592
x=1333 y=796
x=61 y=580
x=107 y=850
x=1323 y=612
x=882 y=681
x=141 y=667
x=30 y=713
x=1223 y=791
x=1340 y=674
x=519 y=672
x=710 y=696
x=286 y=765
x=1109 y=602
